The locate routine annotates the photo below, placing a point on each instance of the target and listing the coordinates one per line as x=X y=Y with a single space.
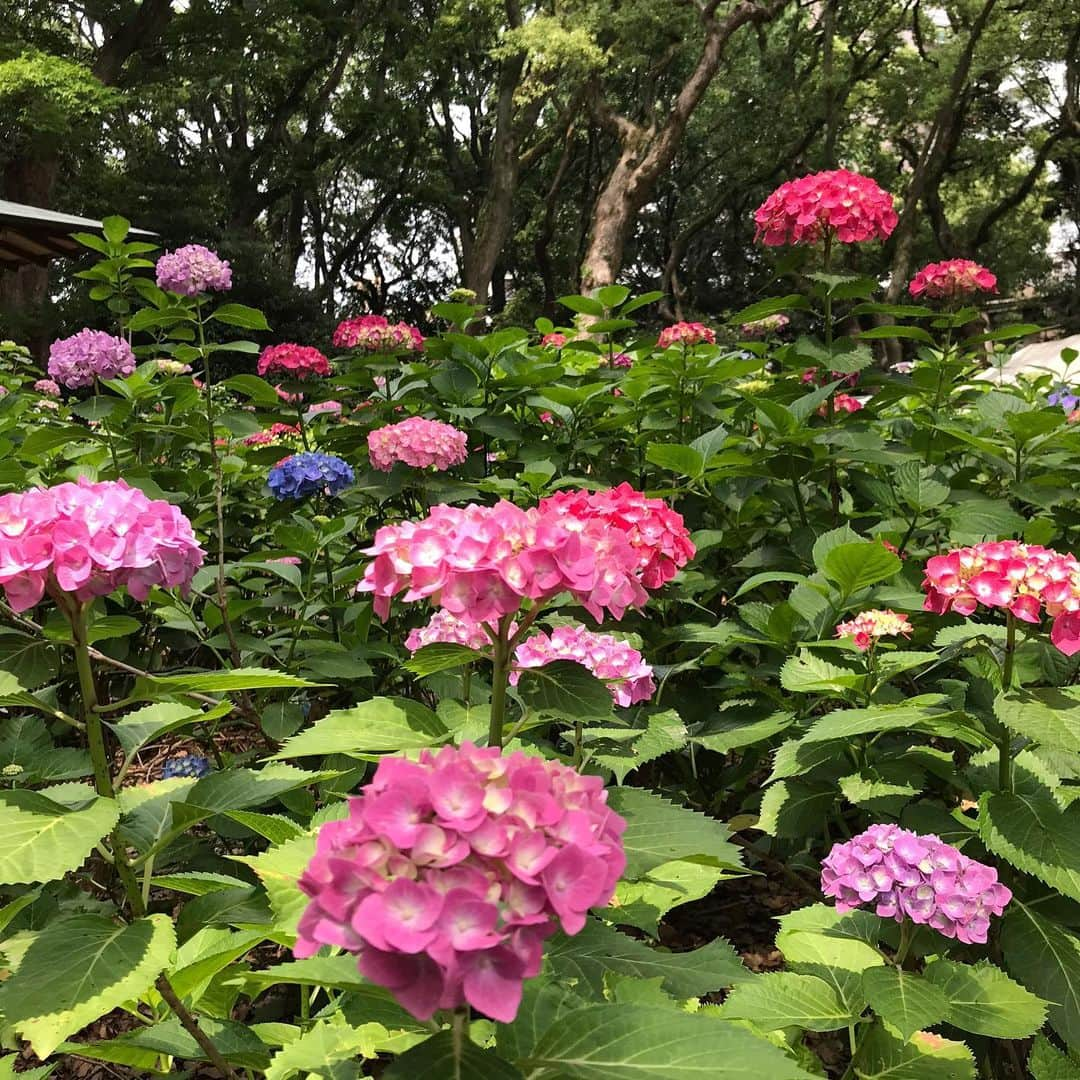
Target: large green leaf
x=637 y=1042
x=984 y=1000
x=7 y=1069
x=78 y=969
x=221 y=682
x=279 y=868
x=565 y=690
x=907 y=1001
x=543 y=1003
x=784 y=999
x=643 y=903
x=441 y=656
x=381 y=725
x=882 y=1056
x=654 y=734
x=238 y=789
x=44 y=840
x=806 y=673
x=435 y=1058
x=1048 y=716
x=1047 y=1062
x=856 y=566
x=841 y=962
x=140 y=727
x=792 y=809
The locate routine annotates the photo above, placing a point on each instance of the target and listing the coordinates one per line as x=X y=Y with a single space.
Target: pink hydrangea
x=78 y=360
x=450 y=873
x=289 y=399
x=546 y=417
x=271 y=436
x=90 y=539
x=951 y=279
x=622 y=360
x=444 y=628
x=292 y=361
x=865 y=629
x=331 y=407
x=686 y=334
x=1024 y=579
x=554 y=340
x=193 y=269
x=849 y=207
x=620 y=665
x=656 y=532
x=759 y=328
x=842 y=403
x=47 y=387
x=418 y=443
x=376 y=334
x=921 y=878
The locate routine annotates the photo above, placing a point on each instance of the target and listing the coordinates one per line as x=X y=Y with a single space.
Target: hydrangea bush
x=411 y=703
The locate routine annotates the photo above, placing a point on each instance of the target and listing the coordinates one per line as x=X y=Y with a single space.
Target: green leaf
x=882 y=1056
x=222 y=682
x=984 y=1000
x=247 y=318
x=638 y=1042
x=256 y=389
x=791 y=809
x=197 y=883
x=78 y=969
x=441 y=656
x=238 y=789
x=7 y=1069
x=273 y=827
x=611 y=296
x=915 y=484
x=591 y=955
x=856 y=566
x=765 y=578
x=583 y=305
x=566 y=690
x=44 y=840
x=662 y=733
x=543 y=1003
x=917 y=333
x=1050 y=717
x=841 y=962
x=115 y=228
x=435 y=1058
x=1047 y=1062
x=907 y=1001
x=144 y=725
x=764 y=308
x=381 y=725
x=645 y=902
x=684 y=460
x=279 y=869
x=806 y=673
x=783 y=999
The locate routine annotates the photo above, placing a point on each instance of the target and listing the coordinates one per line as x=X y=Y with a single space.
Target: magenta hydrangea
x=419 y=443
x=78 y=360
x=921 y=878
x=90 y=539
x=450 y=873
x=193 y=269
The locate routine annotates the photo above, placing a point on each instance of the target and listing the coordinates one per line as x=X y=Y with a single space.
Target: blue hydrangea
x=192 y=766
x=312 y=473
x=1067 y=398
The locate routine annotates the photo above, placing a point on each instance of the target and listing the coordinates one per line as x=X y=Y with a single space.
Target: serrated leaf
x=140 y=727
x=327 y=1042
x=435 y=1057
x=791 y=808
x=543 y=1003
x=222 y=682
x=1047 y=1062
x=645 y=902
x=247 y=318
x=683 y=460
x=985 y=1001
x=882 y=1056
x=238 y=789
x=841 y=962
x=441 y=656
x=857 y=566
x=916 y=485
x=806 y=673
x=663 y=732
x=279 y=869
x=784 y=999
x=1048 y=716
x=907 y=1001
x=78 y=969
x=197 y=883
x=566 y=690
x=273 y=827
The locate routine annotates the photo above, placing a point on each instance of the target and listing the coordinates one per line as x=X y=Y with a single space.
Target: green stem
x=1005 y=778
x=907 y=936
x=108 y=435
x=300 y=421
x=459 y=1030
x=577 y=744
x=834 y=481
x=800 y=505
x=328 y=570
x=501 y=647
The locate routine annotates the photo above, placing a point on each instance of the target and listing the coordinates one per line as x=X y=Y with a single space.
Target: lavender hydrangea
x=90 y=354
x=309 y=473
x=916 y=877
x=193 y=269
x=1064 y=396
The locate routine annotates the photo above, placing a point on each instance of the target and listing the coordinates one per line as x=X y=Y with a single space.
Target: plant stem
x=328 y=569
x=834 y=482
x=907 y=935
x=190 y=1025
x=499 y=675
x=1005 y=779
x=459 y=1030
x=300 y=421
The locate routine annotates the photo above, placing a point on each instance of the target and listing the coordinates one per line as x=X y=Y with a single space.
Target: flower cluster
x=619 y=360
x=760 y=328
x=309 y=473
x=837 y=203
x=191 y=766
x=842 y=403
x=1065 y=397
x=951 y=279
x=418 y=443
x=271 y=436
x=193 y=269
x=88 y=355
x=90 y=539
x=621 y=666
x=817 y=376
x=686 y=334
x=1023 y=578
x=450 y=629
x=47 y=387
x=868 y=626
x=376 y=334
x=320 y=408
x=450 y=873
x=292 y=361
x=172 y=367
x=554 y=340
x=655 y=531
x=917 y=877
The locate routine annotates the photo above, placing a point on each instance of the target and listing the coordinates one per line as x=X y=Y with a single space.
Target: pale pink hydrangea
x=333 y=408
x=868 y=626
x=686 y=334
x=904 y=875
x=444 y=628
x=78 y=360
x=376 y=334
x=418 y=443
x=90 y=539
x=763 y=327
x=47 y=387
x=450 y=873
x=193 y=269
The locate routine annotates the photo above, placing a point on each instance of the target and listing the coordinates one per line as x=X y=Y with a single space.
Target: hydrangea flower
x=192 y=270
x=868 y=626
x=193 y=766
x=375 y=334
x=444 y=628
x=554 y=340
x=321 y=407
x=90 y=539
x=842 y=403
x=48 y=387
x=310 y=473
x=271 y=436
x=78 y=360
x=921 y=878
x=951 y=279
x=1022 y=578
x=686 y=334
x=620 y=665
x=172 y=367
x=1064 y=396
x=418 y=443
x=450 y=873
x=759 y=328
x=292 y=361
x=842 y=204
x=622 y=360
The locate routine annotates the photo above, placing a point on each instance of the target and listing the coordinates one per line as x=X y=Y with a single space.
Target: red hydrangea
x=865 y=629
x=845 y=205
x=450 y=873
x=554 y=340
x=376 y=334
x=951 y=279
x=90 y=539
x=275 y=433
x=1025 y=579
x=292 y=361
x=904 y=875
x=418 y=443
x=685 y=333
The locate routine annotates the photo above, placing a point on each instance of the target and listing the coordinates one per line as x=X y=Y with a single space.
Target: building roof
x=31 y=234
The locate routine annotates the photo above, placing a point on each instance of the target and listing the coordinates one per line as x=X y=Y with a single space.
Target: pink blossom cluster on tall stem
x=88 y=356
x=450 y=873
x=274 y=435
x=418 y=443
x=292 y=361
x=376 y=334
x=868 y=627
x=686 y=334
x=952 y=279
x=192 y=270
